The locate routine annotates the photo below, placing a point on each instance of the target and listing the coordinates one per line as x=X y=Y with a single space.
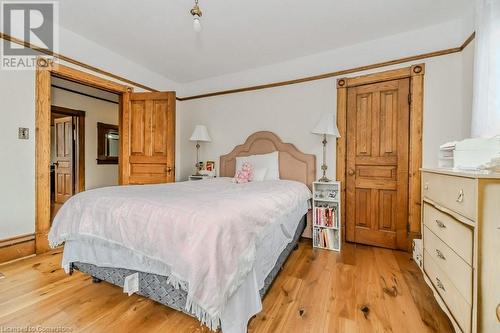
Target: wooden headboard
x=294 y=165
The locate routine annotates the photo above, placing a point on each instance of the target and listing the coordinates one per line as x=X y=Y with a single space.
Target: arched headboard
x=294 y=165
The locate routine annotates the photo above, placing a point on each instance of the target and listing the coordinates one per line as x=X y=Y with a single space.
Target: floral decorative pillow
x=244 y=175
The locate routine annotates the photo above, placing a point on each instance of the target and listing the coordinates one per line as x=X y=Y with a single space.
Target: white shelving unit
x=326 y=221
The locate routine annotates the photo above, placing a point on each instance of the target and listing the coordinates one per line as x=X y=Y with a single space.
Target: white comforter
x=205 y=231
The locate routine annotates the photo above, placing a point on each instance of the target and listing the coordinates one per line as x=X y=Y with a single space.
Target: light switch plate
x=24 y=133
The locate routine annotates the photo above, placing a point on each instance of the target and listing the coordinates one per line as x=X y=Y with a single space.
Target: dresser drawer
x=456 y=304
x=455 y=234
x=458 y=271
x=455 y=193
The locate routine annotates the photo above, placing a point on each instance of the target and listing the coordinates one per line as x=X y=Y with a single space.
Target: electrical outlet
x=24 y=133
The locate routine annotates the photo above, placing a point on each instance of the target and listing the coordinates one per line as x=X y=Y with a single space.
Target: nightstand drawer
x=453 y=233
x=455 y=193
x=458 y=271
x=458 y=306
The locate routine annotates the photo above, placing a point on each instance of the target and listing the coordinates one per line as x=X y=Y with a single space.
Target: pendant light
x=196 y=12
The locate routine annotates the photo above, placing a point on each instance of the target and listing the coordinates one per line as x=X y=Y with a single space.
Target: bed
x=209 y=248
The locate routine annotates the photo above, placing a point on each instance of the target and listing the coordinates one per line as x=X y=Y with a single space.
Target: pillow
x=259 y=174
x=268 y=161
x=244 y=174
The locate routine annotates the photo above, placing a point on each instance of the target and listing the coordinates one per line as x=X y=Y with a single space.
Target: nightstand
x=200 y=177
x=326 y=215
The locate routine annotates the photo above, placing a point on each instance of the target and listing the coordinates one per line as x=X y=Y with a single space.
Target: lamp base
x=324 y=179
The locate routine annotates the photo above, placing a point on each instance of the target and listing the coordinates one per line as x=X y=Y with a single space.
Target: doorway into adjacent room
x=84 y=140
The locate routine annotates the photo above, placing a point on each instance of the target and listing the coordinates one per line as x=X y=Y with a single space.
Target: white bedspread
x=205 y=232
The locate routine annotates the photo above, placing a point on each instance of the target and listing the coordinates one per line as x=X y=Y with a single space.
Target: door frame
x=45 y=69
x=79 y=159
x=416 y=75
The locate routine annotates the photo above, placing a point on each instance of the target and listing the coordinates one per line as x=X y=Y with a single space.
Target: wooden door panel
x=388 y=122
x=148 y=149
x=379 y=172
x=64 y=173
x=138 y=128
x=377 y=163
x=387 y=210
x=160 y=126
x=363 y=205
x=364 y=120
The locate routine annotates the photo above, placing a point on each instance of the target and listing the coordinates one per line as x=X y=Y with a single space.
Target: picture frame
x=210 y=166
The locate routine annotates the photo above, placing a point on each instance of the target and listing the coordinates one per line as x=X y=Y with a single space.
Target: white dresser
x=461 y=242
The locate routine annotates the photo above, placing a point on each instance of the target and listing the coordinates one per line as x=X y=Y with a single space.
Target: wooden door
x=377 y=164
x=64 y=146
x=148 y=138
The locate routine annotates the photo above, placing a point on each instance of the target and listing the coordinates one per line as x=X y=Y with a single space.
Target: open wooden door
x=147 y=133
x=64 y=177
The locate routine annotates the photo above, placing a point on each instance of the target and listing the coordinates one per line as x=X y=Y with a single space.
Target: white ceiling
x=239 y=35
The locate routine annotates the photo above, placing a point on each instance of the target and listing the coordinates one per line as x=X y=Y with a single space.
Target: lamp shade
x=327 y=125
x=200 y=133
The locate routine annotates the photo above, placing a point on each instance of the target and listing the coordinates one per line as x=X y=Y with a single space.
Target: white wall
x=17 y=167
x=96 y=175
x=292 y=111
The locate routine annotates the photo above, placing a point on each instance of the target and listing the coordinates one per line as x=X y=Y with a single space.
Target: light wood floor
x=364 y=289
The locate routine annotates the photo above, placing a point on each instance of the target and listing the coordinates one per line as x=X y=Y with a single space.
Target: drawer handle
x=460 y=197
x=440 y=224
x=440 y=284
x=440 y=255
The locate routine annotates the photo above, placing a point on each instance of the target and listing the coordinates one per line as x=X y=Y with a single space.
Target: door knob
x=350 y=172
x=168 y=169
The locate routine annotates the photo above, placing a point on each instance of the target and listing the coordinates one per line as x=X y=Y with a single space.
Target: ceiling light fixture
x=196 y=12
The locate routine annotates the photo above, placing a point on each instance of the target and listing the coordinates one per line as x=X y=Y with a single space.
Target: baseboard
x=17 y=247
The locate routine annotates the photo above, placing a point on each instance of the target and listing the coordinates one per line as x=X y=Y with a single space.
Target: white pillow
x=268 y=161
x=259 y=174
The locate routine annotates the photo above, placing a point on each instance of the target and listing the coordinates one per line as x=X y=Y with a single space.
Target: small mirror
x=107 y=143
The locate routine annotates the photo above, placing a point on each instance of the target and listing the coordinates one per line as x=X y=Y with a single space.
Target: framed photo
x=210 y=166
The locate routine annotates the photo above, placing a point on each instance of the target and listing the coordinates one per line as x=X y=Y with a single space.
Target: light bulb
x=196 y=23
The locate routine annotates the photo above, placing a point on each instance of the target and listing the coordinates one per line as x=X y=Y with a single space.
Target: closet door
x=378 y=121
x=148 y=138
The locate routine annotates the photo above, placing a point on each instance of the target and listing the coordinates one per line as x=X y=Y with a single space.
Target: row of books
x=328 y=238
x=326 y=217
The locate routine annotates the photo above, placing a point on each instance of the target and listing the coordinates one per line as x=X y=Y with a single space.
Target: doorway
x=158 y=156
x=379 y=156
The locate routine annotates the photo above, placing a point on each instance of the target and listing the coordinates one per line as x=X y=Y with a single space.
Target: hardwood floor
x=364 y=289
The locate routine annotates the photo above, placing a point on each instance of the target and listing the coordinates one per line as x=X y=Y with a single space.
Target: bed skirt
x=155 y=286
